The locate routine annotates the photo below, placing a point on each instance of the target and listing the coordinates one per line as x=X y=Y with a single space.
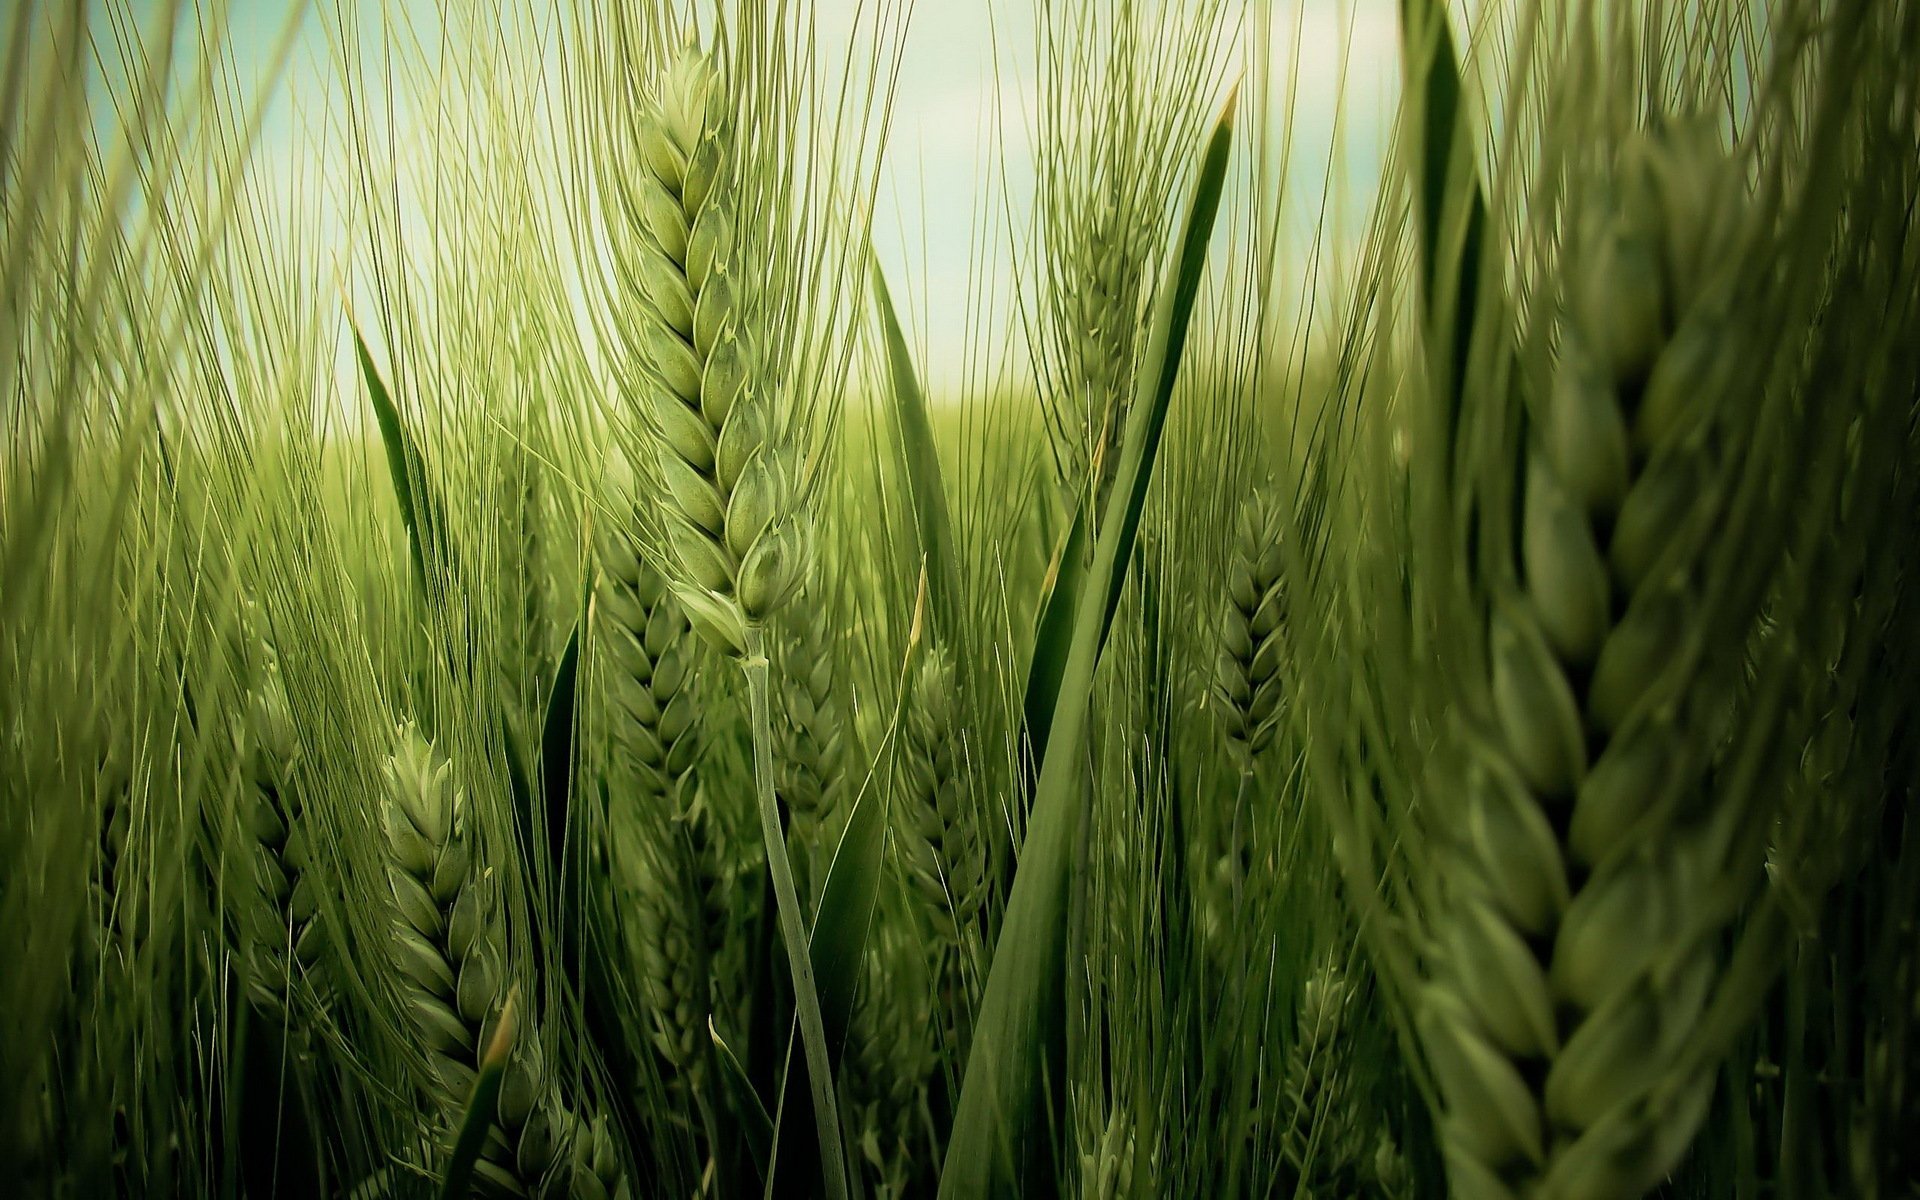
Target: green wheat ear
x=1249 y=681
x=938 y=838
x=810 y=732
x=1323 y=1142
x=651 y=675
x=283 y=935
x=1574 y=967
x=449 y=958
x=736 y=546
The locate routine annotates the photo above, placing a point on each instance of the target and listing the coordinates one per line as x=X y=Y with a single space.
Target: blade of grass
x=1053 y=631
x=921 y=458
x=1018 y=1034
x=419 y=506
x=556 y=788
x=556 y=745
x=756 y=1125
x=1450 y=286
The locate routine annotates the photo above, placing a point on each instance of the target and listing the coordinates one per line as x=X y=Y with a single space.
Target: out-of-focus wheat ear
x=1574 y=966
x=889 y=1059
x=676 y=968
x=651 y=675
x=1392 y=1175
x=1249 y=682
x=938 y=835
x=1107 y=1158
x=284 y=939
x=810 y=729
x=1105 y=329
x=1322 y=1142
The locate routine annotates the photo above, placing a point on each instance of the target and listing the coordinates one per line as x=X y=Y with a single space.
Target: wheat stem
x=813 y=1031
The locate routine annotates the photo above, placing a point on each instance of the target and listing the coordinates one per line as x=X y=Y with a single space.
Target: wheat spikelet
x=1248 y=684
x=1574 y=965
x=651 y=676
x=938 y=838
x=283 y=934
x=736 y=545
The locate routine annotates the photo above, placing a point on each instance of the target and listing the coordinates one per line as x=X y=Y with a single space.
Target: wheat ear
x=736 y=545
x=809 y=739
x=1248 y=683
x=1106 y=325
x=650 y=677
x=1322 y=1143
x=449 y=956
x=939 y=839
x=738 y=551
x=1576 y=961
x=283 y=933
x=890 y=1057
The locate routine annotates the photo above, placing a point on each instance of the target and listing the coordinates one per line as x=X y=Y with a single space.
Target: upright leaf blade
x=556 y=748
x=1017 y=1040
x=1053 y=631
x=419 y=508
x=914 y=429
x=1449 y=281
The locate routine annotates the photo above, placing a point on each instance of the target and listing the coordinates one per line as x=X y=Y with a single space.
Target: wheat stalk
x=1575 y=965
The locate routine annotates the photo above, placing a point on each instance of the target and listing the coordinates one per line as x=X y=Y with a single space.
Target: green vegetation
x=554 y=703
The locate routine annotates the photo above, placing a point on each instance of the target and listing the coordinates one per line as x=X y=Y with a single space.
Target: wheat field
x=523 y=671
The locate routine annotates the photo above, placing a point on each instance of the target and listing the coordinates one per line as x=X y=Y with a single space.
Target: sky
x=959 y=141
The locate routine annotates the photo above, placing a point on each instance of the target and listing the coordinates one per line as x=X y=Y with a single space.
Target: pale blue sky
x=960 y=123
